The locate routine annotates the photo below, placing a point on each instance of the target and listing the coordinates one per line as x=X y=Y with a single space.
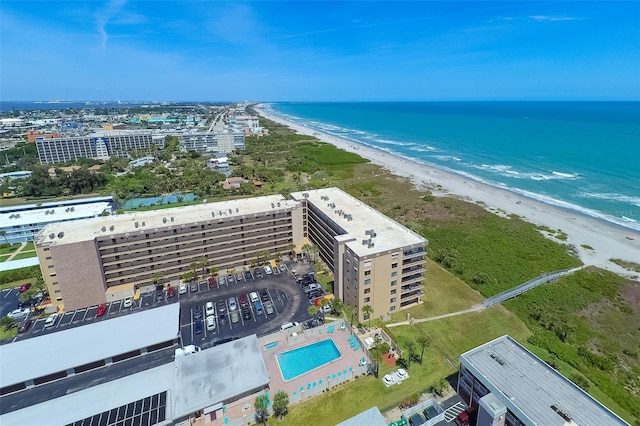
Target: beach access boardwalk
x=498 y=298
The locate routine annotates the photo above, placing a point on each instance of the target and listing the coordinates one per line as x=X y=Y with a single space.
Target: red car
x=244 y=300
x=101 y=310
x=171 y=292
x=25 y=287
x=212 y=282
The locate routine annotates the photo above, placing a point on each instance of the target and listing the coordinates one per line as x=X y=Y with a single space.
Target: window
x=393 y=300
x=367 y=273
x=393 y=291
x=367 y=290
x=394 y=256
x=394 y=274
x=51 y=266
x=367 y=299
x=57 y=291
x=54 y=283
x=394 y=265
x=393 y=308
x=367 y=281
x=367 y=263
x=394 y=282
x=48 y=258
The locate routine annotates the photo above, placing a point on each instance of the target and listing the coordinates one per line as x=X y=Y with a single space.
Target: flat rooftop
x=203 y=379
x=356 y=218
x=370 y=417
x=53 y=214
x=529 y=387
x=82 y=345
x=86 y=230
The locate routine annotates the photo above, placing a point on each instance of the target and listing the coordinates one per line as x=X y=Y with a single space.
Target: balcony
x=414 y=269
x=412 y=278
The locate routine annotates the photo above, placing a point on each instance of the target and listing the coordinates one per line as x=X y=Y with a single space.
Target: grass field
x=25 y=255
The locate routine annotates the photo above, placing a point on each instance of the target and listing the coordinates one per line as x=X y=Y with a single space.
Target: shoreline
x=608 y=240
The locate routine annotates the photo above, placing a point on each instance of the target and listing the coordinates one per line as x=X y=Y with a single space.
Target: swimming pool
x=302 y=360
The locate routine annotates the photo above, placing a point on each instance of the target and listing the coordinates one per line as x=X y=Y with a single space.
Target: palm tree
x=187 y=276
x=377 y=351
x=213 y=271
x=194 y=266
x=203 y=264
x=337 y=306
x=314 y=249
x=156 y=277
x=262 y=408
x=4 y=235
x=367 y=310
x=306 y=248
x=313 y=310
x=291 y=247
x=280 y=404
x=411 y=349
x=423 y=342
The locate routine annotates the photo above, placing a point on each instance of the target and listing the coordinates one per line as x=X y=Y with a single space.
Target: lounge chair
x=342 y=326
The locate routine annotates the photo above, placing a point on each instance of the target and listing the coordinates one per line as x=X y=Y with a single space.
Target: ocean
x=581 y=156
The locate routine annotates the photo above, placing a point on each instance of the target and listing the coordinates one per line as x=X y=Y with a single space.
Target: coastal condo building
x=99 y=146
x=375 y=261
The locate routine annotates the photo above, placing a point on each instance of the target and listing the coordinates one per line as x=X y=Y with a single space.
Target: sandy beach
x=607 y=240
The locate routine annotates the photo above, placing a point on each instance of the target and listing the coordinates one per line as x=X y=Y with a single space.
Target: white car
x=51 y=320
x=253 y=296
x=209 y=310
x=18 y=314
x=402 y=373
x=388 y=379
x=128 y=302
x=211 y=323
x=182 y=289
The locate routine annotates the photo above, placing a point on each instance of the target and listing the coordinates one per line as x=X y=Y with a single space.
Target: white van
x=268 y=270
x=289 y=325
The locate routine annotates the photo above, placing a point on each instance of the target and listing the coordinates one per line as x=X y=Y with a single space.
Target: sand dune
x=607 y=240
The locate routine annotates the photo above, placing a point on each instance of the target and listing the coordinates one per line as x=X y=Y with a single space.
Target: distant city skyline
x=319 y=51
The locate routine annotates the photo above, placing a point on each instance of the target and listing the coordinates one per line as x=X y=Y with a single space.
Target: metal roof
x=193 y=382
x=51 y=353
x=53 y=214
x=530 y=388
x=370 y=417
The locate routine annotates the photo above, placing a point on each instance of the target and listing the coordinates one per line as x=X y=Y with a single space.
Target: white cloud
x=103 y=16
x=546 y=18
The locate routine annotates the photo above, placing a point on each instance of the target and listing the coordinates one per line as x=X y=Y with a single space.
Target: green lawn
x=10 y=249
x=8 y=334
x=25 y=255
x=4 y=257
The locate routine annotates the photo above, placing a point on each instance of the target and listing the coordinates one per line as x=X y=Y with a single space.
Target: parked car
x=160 y=296
x=50 y=321
x=246 y=313
x=253 y=296
x=197 y=313
x=232 y=304
x=171 y=292
x=194 y=287
x=283 y=267
x=239 y=277
x=182 y=289
x=268 y=270
x=244 y=300
x=231 y=279
x=222 y=319
x=259 y=310
x=212 y=282
x=24 y=287
x=222 y=307
x=209 y=309
x=258 y=273
x=264 y=295
x=128 y=302
x=102 y=309
x=235 y=316
x=25 y=326
x=211 y=323
x=197 y=327
x=18 y=314
x=247 y=275
x=268 y=307
x=222 y=280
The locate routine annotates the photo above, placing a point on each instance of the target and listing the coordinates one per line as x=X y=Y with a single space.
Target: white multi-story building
x=99 y=146
x=225 y=141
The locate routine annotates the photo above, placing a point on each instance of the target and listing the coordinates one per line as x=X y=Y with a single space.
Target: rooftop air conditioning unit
x=73 y=208
x=52 y=236
x=103 y=229
x=60 y=234
x=111 y=228
x=171 y=218
x=237 y=210
x=230 y=211
x=164 y=220
x=136 y=224
x=143 y=223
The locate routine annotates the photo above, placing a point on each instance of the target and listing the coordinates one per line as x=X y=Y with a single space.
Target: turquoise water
x=134 y=203
x=582 y=156
x=302 y=360
x=271 y=345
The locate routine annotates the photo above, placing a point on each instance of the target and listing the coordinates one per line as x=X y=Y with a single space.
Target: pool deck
x=239 y=412
x=348 y=357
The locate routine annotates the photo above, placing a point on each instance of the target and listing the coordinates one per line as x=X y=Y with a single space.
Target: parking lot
x=287 y=302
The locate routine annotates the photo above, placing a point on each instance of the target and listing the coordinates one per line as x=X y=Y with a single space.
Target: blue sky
x=319 y=51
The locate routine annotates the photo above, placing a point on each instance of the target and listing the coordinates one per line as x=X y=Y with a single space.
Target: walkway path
x=498 y=298
x=15 y=253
